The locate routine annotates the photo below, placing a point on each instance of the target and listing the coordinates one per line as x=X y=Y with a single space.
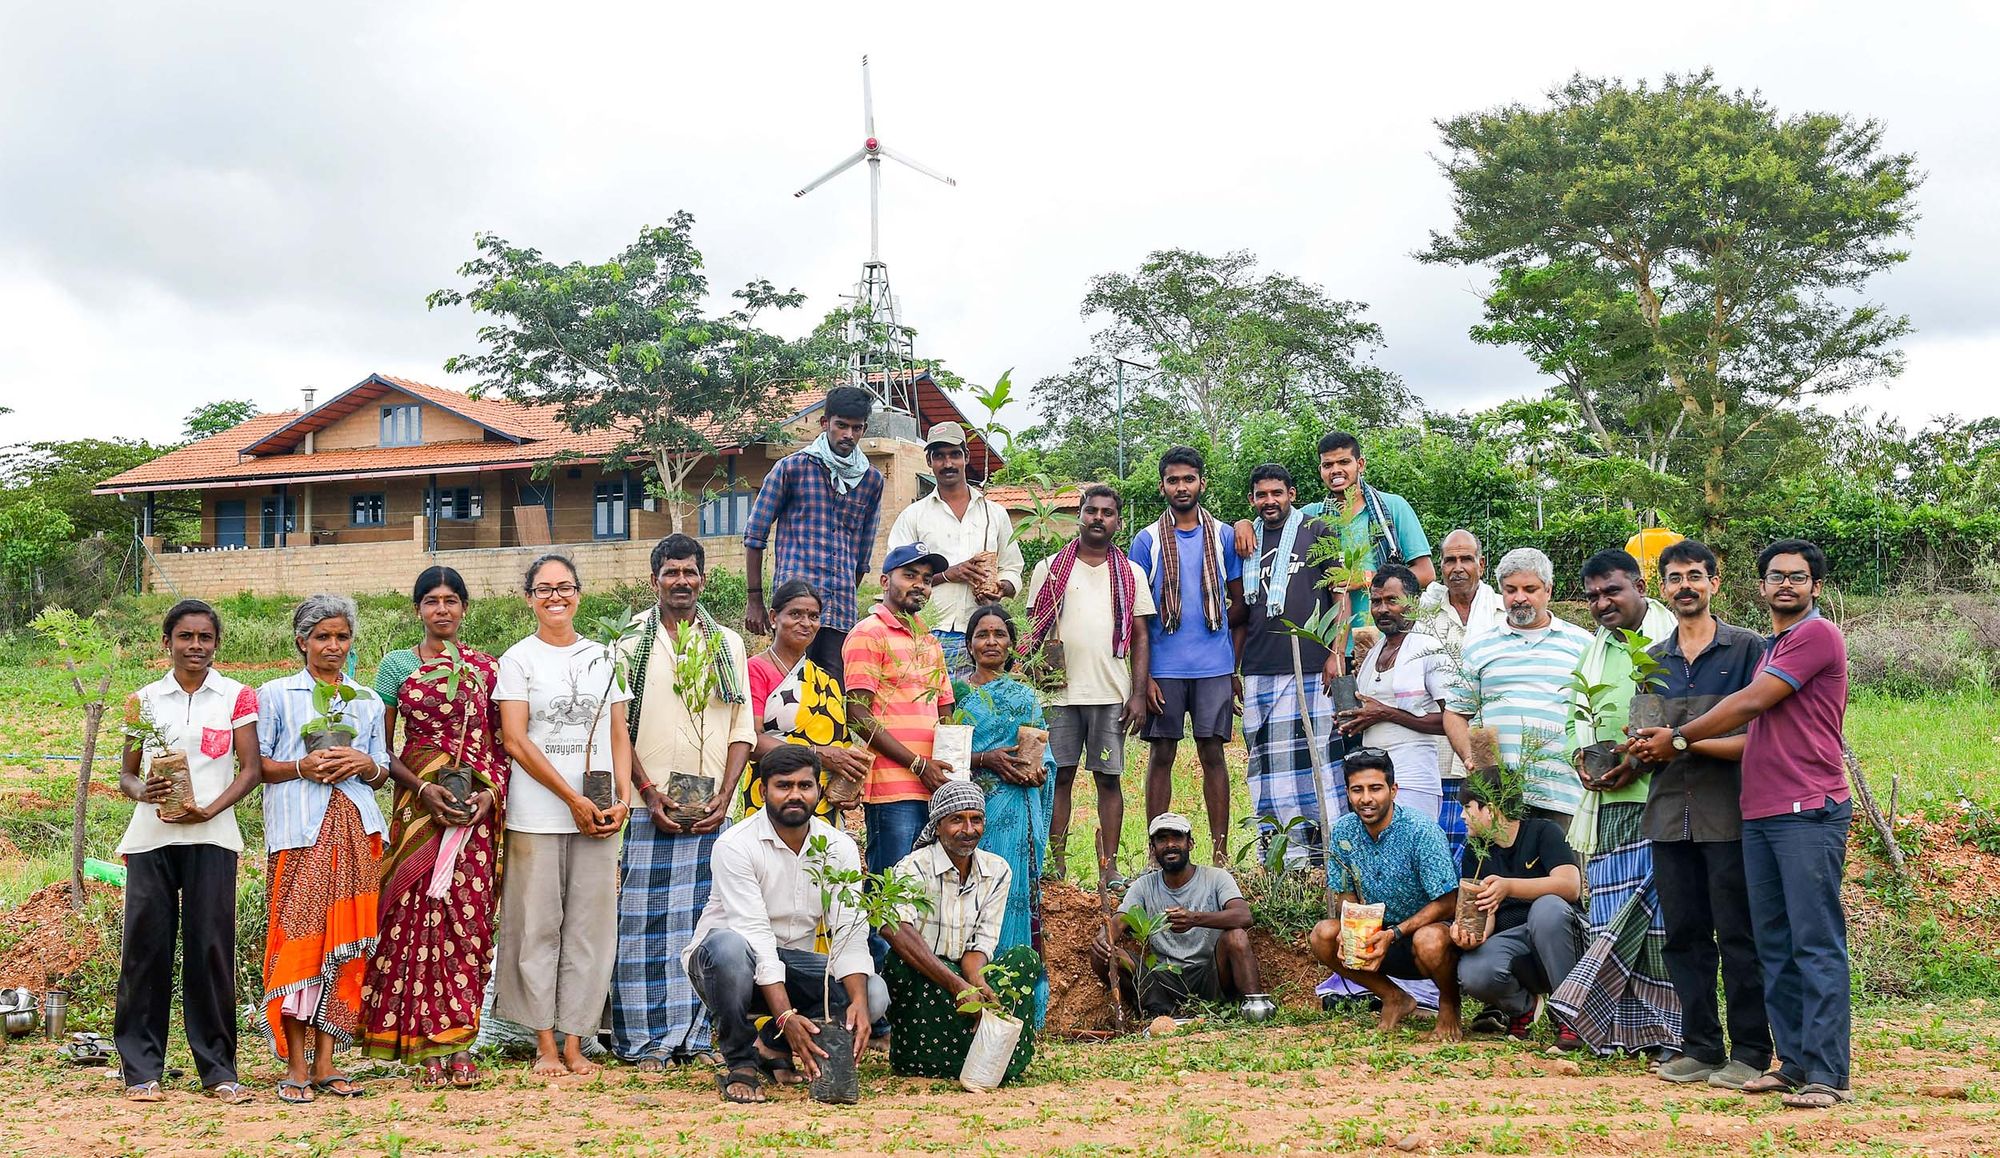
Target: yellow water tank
x=1646 y=547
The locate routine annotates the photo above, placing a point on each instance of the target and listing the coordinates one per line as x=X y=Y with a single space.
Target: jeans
x=1533 y=957
x=1706 y=906
x=1792 y=866
x=892 y=833
x=724 y=970
x=187 y=894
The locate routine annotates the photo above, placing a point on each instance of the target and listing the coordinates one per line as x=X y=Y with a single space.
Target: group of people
x=668 y=853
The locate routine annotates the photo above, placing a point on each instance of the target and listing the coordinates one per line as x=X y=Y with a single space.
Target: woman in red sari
x=425 y=981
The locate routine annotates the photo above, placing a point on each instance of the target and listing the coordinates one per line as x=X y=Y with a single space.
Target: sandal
x=230 y=1093
x=781 y=1069
x=296 y=1093
x=332 y=1083
x=1816 y=1096
x=144 y=1092
x=650 y=1065
x=431 y=1077
x=1774 y=1082
x=464 y=1071
x=752 y=1078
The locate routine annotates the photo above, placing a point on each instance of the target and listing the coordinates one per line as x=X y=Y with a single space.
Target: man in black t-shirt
x=1529 y=884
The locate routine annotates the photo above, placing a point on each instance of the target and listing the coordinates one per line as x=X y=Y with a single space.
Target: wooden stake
x=1866 y=800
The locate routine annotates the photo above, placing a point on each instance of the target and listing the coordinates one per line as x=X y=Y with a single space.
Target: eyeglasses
x=547 y=591
x=1788 y=578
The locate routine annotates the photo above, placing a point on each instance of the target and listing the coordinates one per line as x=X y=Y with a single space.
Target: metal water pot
x=1257 y=1007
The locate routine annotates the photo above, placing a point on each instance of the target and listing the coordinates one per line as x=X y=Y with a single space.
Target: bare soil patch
x=46 y=942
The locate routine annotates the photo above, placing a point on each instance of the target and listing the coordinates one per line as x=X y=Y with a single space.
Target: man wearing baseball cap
x=973 y=533
x=897 y=690
x=1206 y=940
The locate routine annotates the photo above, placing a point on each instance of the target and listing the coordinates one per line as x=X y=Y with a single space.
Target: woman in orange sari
x=421 y=1001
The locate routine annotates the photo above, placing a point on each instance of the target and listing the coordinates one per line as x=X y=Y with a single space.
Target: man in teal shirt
x=1383 y=523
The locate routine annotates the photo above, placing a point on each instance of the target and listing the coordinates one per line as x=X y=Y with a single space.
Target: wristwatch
x=1680 y=742
x=1396 y=934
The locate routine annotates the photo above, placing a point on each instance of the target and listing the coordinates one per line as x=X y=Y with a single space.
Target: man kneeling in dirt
x=1381 y=854
x=1530 y=934
x=1200 y=950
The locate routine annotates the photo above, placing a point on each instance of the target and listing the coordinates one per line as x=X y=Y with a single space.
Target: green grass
x=1940 y=748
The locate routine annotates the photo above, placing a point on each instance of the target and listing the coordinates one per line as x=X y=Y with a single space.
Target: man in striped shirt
x=1515 y=680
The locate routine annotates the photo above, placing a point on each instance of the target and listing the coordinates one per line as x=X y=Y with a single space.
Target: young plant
x=1272 y=858
x=878 y=898
x=1144 y=926
x=609 y=632
x=1009 y=987
x=330 y=702
x=1594 y=702
x=695 y=682
x=1647 y=672
x=146 y=732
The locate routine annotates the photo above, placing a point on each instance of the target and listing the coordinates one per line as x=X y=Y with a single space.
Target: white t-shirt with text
x=562 y=687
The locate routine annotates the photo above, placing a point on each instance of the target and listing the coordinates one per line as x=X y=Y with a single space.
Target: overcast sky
x=205 y=201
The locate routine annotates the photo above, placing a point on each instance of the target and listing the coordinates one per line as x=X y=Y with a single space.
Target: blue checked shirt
x=823 y=538
x=1407 y=868
x=293 y=809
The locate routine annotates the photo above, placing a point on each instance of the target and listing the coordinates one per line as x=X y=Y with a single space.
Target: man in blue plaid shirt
x=825 y=502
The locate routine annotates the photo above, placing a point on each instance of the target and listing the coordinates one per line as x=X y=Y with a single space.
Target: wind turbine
x=891 y=353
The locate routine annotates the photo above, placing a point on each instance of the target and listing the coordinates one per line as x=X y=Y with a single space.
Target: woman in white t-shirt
x=180 y=870
x=562 y=714
x=1402 y=681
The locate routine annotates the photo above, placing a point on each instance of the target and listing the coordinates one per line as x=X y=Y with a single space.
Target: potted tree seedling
x=609 y=632
x=878 y=899
x=1593 y=703
x=455 y=676
x=331 y=727
x=951 y=743
x=1480 y=840
x=1649 y=708
x=162 y=761
x=695 y=681
x=999 y=1032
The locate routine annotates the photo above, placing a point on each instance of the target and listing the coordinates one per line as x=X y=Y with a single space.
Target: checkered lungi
x=1451 y=818
x=655 y=1011
x=1619 y=996
x=1281 y=757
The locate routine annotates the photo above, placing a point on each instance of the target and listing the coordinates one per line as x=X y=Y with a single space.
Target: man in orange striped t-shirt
x=897 y=689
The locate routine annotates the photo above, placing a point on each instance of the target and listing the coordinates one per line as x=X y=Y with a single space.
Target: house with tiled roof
x=365 y=489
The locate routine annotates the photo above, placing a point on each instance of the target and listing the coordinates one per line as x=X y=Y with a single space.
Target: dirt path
x=1327 y=1087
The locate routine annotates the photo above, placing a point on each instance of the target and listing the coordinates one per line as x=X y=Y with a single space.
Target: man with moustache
x=1097 y=605
x=1382 y=524
x=1459 y=607
x=1386 y=855
x=1695 y=821
x=824 y=502
x=1619 y=997
x=939 y=956
x=1796 y=811
x=1204 y=952
x=1403 y=680
x=971 y=531
x=897 y=691
x=655 y=1013
x=1515 y=680
x=1196 y=576
x=753 y=952
x=1284 y=676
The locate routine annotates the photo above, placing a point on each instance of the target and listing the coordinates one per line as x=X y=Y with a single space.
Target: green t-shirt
x=1617 y=713
x=1359 y=531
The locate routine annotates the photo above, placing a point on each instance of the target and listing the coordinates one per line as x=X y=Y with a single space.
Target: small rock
x=1944 y=1093
x=646 y=1100
x=1412 y=1142
x=1568 y=1068
x=1162 y=1026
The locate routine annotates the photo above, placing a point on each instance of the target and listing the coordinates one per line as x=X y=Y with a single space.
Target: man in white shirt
x=974 y=535
x=1402 y=681
x=752 y=952
x=1458 y=609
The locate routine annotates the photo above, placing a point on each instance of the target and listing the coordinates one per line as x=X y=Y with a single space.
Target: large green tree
x=216 y=417
x=1686 y=260
x=61 y=474
x=631 y=345
x=1228 y=339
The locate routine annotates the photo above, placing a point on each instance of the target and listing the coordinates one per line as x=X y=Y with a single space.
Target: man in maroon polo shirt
x=1795 y=817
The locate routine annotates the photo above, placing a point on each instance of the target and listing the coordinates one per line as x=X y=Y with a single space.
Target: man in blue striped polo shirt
x=1515 y=680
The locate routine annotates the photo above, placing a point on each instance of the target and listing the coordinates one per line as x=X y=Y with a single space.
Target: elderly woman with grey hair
x=324 y=755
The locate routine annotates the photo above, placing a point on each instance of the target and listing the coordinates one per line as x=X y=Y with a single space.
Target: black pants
x=186 y=892
x=824 y=650
x=1706 y=906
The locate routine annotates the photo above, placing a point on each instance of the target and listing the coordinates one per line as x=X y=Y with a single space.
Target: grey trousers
x=1532 y=957
x=558 y=931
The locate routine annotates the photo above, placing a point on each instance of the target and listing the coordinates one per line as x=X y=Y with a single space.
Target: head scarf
x=955 y=796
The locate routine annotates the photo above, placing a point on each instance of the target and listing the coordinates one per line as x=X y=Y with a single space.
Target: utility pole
x=1122 y=363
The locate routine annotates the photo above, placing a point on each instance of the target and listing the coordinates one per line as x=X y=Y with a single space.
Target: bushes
x=1912 y=644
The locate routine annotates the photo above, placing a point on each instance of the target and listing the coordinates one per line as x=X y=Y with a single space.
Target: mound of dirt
x=1079 y=1000
x=46 y=942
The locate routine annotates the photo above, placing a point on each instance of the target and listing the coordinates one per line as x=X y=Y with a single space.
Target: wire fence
x=85 y=577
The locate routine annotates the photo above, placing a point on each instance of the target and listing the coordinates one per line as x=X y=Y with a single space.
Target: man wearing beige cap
x=974 y=535
x=1203 y=953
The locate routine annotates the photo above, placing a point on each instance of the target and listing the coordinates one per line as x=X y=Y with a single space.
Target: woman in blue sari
x=1020 y=797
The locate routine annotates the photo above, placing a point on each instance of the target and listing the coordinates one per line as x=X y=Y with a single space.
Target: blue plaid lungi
x=655 y=1012
x=1451 y=818
x=1281 y=757
x=1619 y=996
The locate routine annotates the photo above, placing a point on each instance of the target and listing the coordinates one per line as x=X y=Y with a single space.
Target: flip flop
x=328 y=1084
x=650 y=1065
x=1774 y=1082
x=229 y=1093
x=431 y=1076
x=741 y=1077
x=464 y=1074
x=781 y=1069
x=295 y=1093
x=144 y=1092
x=1816 y=1096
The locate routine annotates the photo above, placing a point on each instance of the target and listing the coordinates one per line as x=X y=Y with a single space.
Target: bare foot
x=1447 y=1030
x=549 y=1066
x=1394 y=1010
x=580 y=1065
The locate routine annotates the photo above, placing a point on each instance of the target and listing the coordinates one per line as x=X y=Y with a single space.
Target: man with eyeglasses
x=971 y=531
x=1695 y=821
x=1796 y=810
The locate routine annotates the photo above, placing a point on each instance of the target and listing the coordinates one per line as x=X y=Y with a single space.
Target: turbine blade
x=830 y=174
x=867 y=98
x=919 y=166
